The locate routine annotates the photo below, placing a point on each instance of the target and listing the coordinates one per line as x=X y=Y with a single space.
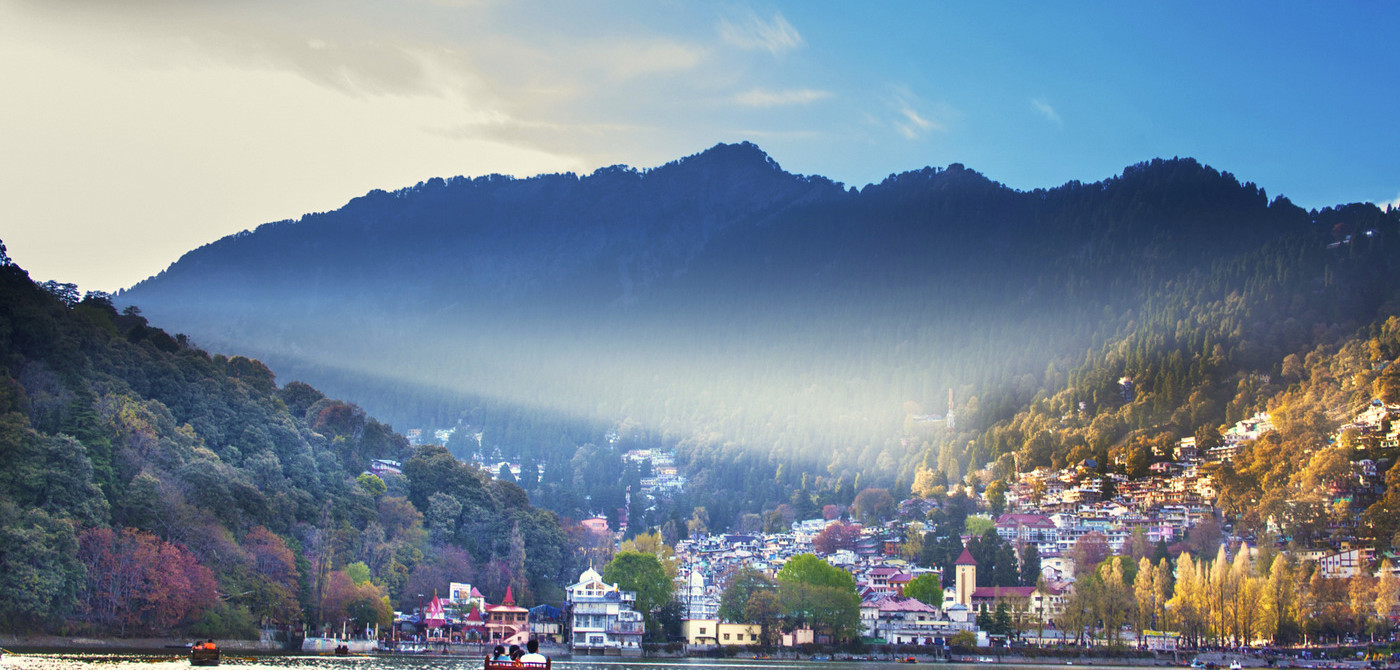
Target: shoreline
x=168 y=645
x=58 y=644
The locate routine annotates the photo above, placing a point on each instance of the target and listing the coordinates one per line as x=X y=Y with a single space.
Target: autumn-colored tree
x=336 y=418
x=1088 y=551
x=1144 y=598
x=1361 y=591
x=1279 y=604
x=1249 y=596
x=873 y=505
x=1187 y=606
x=433 y=576
x=137 y=582
x=995 y=496
x=651 y=543
x=1387 y=592
x=927 y=482
x=836 y=536
x=1114 y=603
x=358 y=605
x=273 y=579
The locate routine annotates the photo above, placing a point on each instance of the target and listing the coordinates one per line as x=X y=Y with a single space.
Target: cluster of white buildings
x=665 y=478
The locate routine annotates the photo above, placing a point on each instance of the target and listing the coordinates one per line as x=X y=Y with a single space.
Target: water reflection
x=233 y=661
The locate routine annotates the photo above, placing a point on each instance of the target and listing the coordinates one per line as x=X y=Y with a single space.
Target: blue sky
x=134 y=132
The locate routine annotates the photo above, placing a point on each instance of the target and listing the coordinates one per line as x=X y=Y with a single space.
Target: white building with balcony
x=601 y=618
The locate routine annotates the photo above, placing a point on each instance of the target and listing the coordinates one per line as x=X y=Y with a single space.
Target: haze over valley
x=722 y=304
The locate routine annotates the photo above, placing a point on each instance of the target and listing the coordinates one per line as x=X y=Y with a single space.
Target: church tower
x=966 y=576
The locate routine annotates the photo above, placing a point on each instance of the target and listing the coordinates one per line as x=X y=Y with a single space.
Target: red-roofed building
x=901 y=620
x=475 y=624
x=899 y=581
x=506 y=620
x=879 y=579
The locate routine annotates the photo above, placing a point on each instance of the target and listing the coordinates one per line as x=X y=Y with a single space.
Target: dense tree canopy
x=147 y=487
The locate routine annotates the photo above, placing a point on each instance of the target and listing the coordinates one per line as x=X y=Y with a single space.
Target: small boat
x=1235 y=665
x=489 y=664
x=342 y=650
x=204 y=653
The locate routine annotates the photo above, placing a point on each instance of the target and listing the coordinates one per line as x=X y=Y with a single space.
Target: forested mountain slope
x=776 y=325
x=148 y=487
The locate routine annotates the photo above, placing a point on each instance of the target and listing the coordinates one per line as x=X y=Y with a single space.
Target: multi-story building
x=601 y=618
x=1349 y=562
x=507 y=623
x=700 y=601
x=1022 y=528
x=901 y=620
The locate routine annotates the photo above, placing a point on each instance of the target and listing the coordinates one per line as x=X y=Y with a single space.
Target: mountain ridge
x=719 y=298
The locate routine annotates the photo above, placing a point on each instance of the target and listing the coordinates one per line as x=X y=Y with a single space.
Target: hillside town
x=1046 y=516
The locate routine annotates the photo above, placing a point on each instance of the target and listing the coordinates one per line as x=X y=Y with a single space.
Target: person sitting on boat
x=516 y=652
x=532 y=653
x=499 y=654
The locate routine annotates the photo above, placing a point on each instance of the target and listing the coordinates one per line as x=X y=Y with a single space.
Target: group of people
x=205 y=646
x=531 y=653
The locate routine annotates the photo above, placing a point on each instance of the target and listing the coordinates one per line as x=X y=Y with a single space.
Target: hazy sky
x=131 y=132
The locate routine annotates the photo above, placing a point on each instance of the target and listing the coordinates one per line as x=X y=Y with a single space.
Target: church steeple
x=966 y=575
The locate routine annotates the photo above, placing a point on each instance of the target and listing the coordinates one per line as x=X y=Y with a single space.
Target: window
x=726 y=636
x=702 y=630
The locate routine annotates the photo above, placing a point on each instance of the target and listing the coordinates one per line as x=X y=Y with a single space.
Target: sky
x=132 y=132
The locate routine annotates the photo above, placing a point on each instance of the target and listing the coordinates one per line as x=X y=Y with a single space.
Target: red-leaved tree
x=273 y=578
x=836 y=536
x=356 y=606
x=138 y=583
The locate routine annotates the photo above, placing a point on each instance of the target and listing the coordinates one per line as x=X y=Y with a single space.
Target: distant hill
x=148 y=487
x=725 y=305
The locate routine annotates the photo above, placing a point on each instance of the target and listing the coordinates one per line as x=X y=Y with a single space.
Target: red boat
x=489 y=664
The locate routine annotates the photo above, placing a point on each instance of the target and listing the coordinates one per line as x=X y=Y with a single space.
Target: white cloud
x=752 y=33
x=628 y=60
x=914 y=118
x=764 y=98
x=1049 y=112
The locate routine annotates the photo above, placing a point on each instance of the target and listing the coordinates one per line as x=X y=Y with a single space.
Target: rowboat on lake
x=489 y=664
x=204 y=653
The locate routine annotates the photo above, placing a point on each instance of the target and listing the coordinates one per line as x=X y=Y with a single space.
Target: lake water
x=129 y=661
